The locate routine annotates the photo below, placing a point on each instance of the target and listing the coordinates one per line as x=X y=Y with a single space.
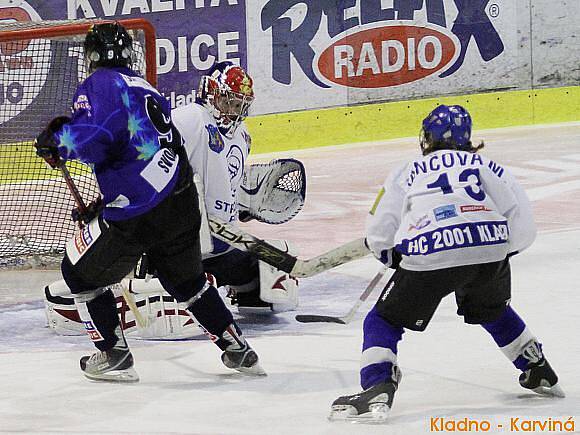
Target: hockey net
x=41 y=64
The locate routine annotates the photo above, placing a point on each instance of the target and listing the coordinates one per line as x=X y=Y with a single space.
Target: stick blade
x=312 y=318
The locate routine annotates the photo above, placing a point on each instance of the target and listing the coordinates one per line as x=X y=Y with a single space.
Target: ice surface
x=452 y=370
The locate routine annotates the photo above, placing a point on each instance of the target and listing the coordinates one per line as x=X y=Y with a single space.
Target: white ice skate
x=539 y=376
x=113 y=365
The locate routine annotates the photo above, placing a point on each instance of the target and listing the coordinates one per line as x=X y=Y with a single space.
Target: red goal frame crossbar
x=80 y=28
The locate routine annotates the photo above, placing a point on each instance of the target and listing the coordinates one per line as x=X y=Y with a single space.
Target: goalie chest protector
x=218 y=160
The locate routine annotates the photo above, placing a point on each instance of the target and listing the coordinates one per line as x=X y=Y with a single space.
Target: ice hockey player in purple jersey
x=217 y=144
x=122 y=127
x=448 y=223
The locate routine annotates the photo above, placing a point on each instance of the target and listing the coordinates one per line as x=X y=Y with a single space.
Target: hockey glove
x=389 y=257
x=45 y=143
x=92 y=211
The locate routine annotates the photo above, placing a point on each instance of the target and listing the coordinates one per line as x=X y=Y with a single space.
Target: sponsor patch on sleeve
x=160 y=170
x=473 y=208
x=82 y=103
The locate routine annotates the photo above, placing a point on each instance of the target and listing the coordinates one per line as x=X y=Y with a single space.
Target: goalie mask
x=227 y=92
x=108 y=45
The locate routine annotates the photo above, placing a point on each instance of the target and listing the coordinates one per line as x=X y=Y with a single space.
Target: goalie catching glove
x=273 y=192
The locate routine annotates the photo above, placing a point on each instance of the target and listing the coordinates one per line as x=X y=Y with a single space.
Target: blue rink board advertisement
x=191 y=34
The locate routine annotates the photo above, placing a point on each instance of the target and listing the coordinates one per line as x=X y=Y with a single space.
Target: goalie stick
x=273 y=256
x=266 y=252
x=282 y=260
x=344 y=320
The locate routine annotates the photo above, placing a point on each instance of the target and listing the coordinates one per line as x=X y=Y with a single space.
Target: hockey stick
x=282 y=260
x=73 y=189
x=130 y=299
x=344 y=320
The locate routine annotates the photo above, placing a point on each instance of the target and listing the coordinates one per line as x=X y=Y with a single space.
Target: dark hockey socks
x=210 y=311
x=524 y=350
x=510 y=334
x=99 y=316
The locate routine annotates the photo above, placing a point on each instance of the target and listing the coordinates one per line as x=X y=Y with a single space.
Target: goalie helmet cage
x=41 y=65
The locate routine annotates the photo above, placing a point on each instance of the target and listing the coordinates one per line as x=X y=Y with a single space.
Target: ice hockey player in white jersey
x=448 y=222
x=218 y=145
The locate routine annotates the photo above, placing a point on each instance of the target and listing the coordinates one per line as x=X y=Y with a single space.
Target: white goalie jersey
x=450 y=208
x=272 y=192
x=217 y=159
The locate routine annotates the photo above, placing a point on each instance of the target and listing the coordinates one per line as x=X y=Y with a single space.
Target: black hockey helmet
x=108 y=45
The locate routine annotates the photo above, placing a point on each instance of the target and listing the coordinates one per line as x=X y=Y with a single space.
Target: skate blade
x=554 y=391
x=255 y=311
x=115 y=376
x=255 y=370
x=378 y=414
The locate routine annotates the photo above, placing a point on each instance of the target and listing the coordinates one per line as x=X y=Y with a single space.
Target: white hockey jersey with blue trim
x=450 y=208
x=218 y=160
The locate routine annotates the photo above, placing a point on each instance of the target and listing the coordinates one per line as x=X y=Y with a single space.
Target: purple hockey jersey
x=121 y=126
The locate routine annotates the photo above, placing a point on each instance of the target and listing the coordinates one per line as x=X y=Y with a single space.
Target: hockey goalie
x=218 y=145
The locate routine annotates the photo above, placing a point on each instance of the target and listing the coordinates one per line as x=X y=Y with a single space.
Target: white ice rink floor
x=452 y=370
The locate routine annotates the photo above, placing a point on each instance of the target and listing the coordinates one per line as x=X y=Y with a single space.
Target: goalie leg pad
x=60 y=309
x=277 y=287
x=167 y=318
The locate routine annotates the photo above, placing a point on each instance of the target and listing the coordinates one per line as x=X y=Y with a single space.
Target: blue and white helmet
x=446 y=127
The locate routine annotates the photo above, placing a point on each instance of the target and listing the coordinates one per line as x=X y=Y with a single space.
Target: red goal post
x=41 y=65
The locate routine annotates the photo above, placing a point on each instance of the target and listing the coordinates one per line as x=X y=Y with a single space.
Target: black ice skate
x=238 y=355
x=369 y=406
x=539 y=376
x=113 y=365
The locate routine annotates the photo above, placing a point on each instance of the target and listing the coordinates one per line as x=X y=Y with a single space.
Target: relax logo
x=387 y=56
x=372 y=46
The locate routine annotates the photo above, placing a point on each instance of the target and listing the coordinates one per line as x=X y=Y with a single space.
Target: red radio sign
x=387 y=56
